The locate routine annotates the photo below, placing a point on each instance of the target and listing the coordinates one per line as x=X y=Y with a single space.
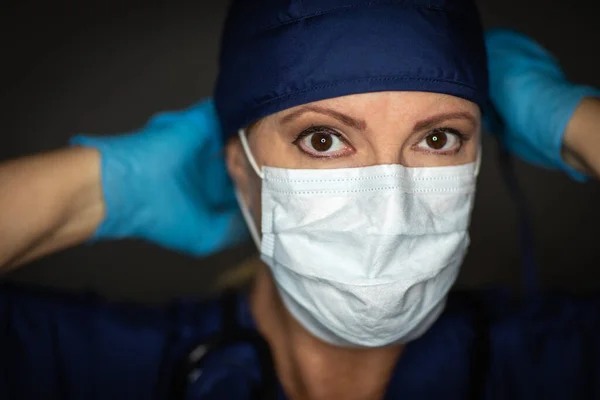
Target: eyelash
x=461 y=137
x=321 y=129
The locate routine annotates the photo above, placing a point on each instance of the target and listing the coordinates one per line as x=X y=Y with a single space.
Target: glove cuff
x=570 y=101
x=123 y=210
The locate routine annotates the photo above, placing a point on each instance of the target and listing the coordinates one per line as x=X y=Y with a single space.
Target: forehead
x=399 y=104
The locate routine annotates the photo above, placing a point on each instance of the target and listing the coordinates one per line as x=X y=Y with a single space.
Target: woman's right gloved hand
x=533 y=97
x=168 y=184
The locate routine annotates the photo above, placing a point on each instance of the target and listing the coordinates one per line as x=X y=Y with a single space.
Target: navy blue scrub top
x=486 y=345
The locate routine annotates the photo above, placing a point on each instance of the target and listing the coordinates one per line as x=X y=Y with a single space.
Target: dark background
x=105 y=68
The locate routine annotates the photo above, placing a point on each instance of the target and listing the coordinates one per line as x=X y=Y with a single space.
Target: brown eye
x=321 y=141
x=442 y=141
x=437 y=140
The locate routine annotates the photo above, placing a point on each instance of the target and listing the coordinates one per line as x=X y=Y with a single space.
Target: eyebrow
x=355 y=123
x=361 y=125
x=436 y=119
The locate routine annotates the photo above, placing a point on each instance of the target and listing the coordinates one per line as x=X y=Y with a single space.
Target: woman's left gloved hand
x=167 y=183
x=533 y=98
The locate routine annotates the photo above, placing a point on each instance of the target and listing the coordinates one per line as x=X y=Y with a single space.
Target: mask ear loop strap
x=248 y=219
x=246 y=147
x=243 y=207
x=478 y=161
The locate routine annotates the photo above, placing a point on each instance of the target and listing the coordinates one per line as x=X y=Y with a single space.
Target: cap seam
x=405 y=3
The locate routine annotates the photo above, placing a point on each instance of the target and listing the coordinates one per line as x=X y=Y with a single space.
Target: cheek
x=473 y=148
x=276 y=149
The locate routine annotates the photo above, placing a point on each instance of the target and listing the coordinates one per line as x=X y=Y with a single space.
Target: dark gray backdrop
x=106 y=68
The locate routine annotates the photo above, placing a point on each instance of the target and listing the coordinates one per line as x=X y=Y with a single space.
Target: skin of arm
x=48 y=202
x=582 y=138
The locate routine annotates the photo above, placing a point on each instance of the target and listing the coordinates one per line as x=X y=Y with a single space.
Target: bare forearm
x=582 y=138
x=48 y=202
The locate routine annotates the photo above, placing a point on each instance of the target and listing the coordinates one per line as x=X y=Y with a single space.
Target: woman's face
x=414 y=129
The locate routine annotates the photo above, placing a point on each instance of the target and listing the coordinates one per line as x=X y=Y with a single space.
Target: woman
x=362 y=189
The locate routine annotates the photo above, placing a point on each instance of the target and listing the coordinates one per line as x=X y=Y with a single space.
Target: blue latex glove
x=168 y=183
x=533 y=98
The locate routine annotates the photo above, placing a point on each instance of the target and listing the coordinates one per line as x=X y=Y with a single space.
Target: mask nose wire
x=243 y=207
x=246 y=147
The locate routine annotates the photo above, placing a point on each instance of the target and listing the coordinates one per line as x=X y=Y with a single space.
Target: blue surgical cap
x=278 y=54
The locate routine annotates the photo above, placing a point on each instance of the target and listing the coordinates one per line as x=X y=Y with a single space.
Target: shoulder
x=85 y=343
x=547 y=347
x=489 y=342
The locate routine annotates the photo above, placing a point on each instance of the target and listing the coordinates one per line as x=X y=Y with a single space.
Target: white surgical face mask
x=364 y=256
